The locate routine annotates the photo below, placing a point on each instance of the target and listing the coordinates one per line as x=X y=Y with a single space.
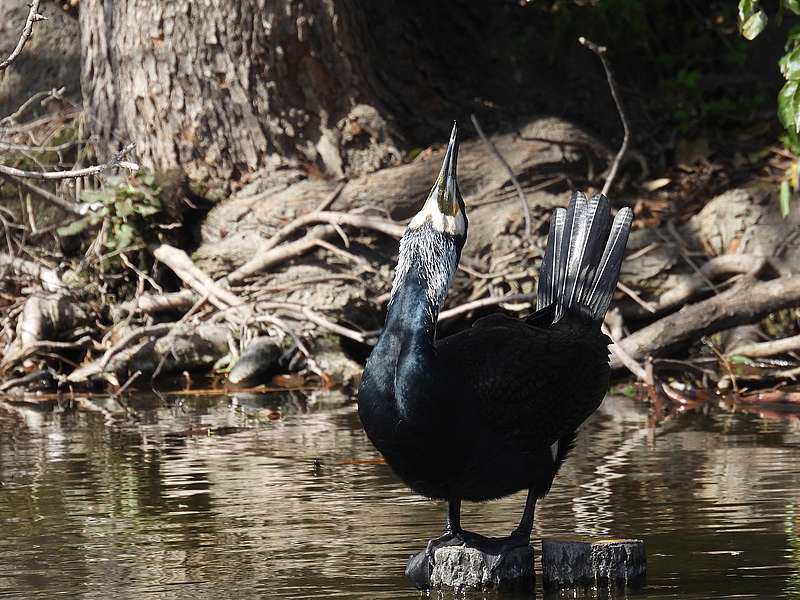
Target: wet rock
x=190 y=351
x=256 y=362
x=602 y=563
x=45 y=380
x=195 y=350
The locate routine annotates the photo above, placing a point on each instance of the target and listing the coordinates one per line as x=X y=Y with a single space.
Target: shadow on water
x=282 y=496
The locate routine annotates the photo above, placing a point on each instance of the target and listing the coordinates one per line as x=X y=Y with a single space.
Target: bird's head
x=444 y=208
x=431 y=245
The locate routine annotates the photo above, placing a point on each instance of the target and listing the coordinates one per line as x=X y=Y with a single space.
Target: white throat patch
x=441 y=222
x=431 y=255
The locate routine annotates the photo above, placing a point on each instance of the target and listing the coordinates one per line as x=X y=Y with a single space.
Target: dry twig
x=744 y=303
x=461 y=309
x=522 y=199
x=33 y=17
x=626 y=359
x=183 y=267
x=113 y=162
x=49 y=278
x=600 y=51
x=771 y=348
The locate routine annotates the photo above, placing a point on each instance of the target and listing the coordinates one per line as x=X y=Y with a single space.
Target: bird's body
x=509 y=394
x=494 y=409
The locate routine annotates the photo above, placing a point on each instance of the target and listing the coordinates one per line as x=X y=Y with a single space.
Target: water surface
x=281 y=496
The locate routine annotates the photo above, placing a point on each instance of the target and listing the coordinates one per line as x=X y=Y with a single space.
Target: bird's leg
x=452 y=528
x=453 y=524
x=525 y=527
x=454 y=534
x=420 y=565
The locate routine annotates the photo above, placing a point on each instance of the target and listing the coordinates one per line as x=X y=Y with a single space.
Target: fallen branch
x=33 y=17
x=771 y=348
x=190 y=274
x=600 y=51
x=335 y=218
x=54 y=94
x=264 y=260
x=34 y=347
x=51 y=282
x=456 y=311
x=153 y=304
x=113 y=162
x=744 y=303
x=312 y=316
x=28 y=148
x=52 y=318
x=526 y=210
x=698 y=283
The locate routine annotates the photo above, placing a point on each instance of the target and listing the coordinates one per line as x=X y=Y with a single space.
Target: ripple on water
x=205 y=498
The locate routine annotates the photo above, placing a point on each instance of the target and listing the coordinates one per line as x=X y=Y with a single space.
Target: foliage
x=752 y=21
x=685 y=58
x=126 y=206
x=120 y=224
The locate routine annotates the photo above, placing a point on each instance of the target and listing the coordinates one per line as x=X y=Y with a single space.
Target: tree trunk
x=244 y=88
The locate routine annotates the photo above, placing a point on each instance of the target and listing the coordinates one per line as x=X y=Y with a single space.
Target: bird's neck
x=407 y=347
x=412 y=315
x=403 y=362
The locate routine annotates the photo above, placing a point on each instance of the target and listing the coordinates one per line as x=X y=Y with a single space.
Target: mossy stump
x=572 y=563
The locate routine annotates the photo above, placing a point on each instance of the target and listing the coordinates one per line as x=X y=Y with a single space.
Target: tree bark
x=247 y=87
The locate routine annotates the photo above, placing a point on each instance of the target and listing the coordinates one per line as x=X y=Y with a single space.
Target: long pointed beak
x=446 y=187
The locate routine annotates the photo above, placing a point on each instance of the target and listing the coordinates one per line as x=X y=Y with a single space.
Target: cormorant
x=493 y=409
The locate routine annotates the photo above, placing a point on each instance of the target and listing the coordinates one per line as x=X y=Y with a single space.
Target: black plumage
x=493 y=409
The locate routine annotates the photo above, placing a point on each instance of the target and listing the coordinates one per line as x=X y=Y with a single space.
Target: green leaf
x=75 y=227
x=92 y=196
x=124 y=236
x=790 y=64
x=145 y=210
x=124 y=208
x=789 y=106
x=792 y=5
x=740 y=359
x=785 y=197
x=752 y=20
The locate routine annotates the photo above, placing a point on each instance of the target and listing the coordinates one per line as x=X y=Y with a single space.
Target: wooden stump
x=600 y=563
x=466 y=568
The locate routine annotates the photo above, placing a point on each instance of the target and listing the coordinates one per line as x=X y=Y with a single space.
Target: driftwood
x=45 y=322
x=762 y=349
x=747 y=302
x=541 y=149
x=183 y=267
x=738 y=232
x=50 y=280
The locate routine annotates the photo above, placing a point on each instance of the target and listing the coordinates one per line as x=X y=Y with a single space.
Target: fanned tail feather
x=583 y=257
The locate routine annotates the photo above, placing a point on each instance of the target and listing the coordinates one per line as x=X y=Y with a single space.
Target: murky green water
x=216 y=498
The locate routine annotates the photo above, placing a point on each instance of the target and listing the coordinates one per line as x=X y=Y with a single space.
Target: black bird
x=494 y=409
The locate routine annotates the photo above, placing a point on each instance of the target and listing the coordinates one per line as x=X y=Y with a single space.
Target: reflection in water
x=281 y=497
